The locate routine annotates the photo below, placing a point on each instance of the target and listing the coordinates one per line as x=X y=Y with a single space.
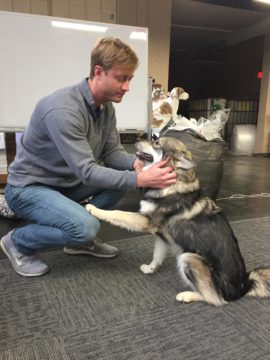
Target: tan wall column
x=159 y=40
x=263 y=126
x=156 y=15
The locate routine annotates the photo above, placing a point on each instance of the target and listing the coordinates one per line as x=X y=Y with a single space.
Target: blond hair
x=109 y=52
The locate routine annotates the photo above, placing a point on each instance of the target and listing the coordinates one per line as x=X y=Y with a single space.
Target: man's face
x=114 y=83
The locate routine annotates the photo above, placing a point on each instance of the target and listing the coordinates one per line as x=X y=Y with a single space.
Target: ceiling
x=201 y=28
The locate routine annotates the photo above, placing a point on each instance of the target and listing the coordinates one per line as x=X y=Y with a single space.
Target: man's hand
x=138 y=165
x=157 y=176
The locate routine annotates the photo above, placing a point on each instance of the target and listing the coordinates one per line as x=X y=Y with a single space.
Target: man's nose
x=125 y=85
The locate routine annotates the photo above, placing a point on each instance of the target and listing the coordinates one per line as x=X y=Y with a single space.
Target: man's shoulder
x=69 y=97
x=65 y=96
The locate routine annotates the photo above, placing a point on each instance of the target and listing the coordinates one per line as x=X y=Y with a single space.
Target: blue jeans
x=56 y=217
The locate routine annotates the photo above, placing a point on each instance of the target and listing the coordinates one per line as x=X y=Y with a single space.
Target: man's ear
x=184 y=163
x=98 y=70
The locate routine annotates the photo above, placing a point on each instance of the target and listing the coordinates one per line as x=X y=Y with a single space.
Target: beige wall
x=154 y=14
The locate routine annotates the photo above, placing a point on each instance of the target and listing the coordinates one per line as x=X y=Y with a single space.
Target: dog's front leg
x=127 y=220
x=160 y=252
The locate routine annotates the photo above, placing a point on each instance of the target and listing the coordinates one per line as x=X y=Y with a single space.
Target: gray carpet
x=87 y=308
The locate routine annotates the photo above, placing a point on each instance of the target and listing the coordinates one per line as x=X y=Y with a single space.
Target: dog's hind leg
x=160 y=252
x=127 y=220
x=197 y=274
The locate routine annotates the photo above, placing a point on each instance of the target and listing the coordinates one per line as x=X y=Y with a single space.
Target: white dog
x=158 y=97
x=167 y=108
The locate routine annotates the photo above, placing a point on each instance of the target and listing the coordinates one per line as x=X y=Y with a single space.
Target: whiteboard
x=37 y=58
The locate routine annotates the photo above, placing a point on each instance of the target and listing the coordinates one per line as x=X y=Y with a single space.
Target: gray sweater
x=67 y=143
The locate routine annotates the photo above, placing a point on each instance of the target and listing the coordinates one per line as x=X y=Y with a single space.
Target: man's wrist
x=140 y=180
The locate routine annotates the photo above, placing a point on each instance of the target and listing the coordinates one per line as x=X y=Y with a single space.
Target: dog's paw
x=185 y=296
x=147 y=269
x=90 y=208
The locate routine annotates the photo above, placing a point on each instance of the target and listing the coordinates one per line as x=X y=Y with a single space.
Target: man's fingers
x=168 y=170
x=163 y=162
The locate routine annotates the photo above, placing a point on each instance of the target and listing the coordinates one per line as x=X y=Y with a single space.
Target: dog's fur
x=165 y=108
x=158 y=97
x=196 y=230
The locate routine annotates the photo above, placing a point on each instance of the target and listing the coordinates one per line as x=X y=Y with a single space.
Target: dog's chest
x=147 y=207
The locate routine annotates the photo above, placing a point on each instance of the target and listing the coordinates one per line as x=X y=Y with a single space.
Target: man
x=70 y=152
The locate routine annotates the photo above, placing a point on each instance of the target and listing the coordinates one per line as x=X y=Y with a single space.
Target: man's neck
x=92 y=86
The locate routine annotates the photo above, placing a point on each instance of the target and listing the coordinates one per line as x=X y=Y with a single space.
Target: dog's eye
x=156 y=142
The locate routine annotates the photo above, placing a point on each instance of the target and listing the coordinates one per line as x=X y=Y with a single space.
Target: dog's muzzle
x=144 y=156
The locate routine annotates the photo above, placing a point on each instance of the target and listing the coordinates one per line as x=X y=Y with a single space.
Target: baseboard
x=262 y=154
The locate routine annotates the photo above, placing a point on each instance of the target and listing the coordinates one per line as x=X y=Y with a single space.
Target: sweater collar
x=87 y=94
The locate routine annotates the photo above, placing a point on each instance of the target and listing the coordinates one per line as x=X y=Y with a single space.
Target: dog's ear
x=183 y=162
x=180 y=91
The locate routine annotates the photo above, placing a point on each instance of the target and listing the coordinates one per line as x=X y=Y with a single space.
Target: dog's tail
x=260 y=279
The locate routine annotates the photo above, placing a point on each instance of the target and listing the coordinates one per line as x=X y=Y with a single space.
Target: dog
x=166 y=107
x=158 y=97
x=194 y=228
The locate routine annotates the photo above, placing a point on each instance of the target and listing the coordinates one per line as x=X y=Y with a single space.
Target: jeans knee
x=87 y=229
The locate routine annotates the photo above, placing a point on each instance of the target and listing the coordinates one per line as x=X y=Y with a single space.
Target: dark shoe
x=98 y=249
x=24 y=265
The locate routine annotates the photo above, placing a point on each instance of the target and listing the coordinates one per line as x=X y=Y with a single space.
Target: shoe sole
x=84 y=252
x=17 y=271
